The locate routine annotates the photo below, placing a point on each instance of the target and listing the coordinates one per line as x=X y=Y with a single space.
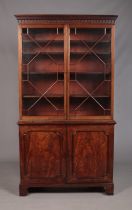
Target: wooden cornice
x=93 y=19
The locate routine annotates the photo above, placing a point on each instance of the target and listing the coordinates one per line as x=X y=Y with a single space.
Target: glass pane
x=42 y=72
x=90 y=72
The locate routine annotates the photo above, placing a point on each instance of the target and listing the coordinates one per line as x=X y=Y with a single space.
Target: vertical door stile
x=112 y=68
x=66 y=68
x=20 y=69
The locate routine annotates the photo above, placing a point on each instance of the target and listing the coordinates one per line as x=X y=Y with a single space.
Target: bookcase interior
x=44 y=78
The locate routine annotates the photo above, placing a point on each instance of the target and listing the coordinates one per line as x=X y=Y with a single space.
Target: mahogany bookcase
x=66 y=97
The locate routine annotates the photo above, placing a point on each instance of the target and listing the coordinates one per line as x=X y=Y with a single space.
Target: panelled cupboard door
x=43 y=154
x=90 y=154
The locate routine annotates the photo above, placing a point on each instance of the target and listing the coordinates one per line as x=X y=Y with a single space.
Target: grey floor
x=9 y=199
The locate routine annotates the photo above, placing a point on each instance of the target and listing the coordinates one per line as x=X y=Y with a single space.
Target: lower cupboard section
x=66 y=156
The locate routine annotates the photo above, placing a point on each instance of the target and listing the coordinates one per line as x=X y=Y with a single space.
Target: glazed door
x=89 y=154
x=43 y=78
x=44 y=153
x=90 y=66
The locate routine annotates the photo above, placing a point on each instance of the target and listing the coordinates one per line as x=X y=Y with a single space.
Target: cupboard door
x=90 y=73
x=43 y=75
x=90 y=154
x=44 y=154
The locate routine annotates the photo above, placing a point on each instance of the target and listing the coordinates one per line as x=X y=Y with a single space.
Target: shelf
x=42 y=41
x=91 y=53
x=41 y=73
x=47 y=96
x=42 y=53
x=82 y=96
x=73 y=72
x=62 y=52
x=62 y=41
x=61 y=96
x=89 y=73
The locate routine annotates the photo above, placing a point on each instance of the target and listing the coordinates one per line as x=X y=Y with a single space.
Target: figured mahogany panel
x=88 y=154
x=44 y=154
